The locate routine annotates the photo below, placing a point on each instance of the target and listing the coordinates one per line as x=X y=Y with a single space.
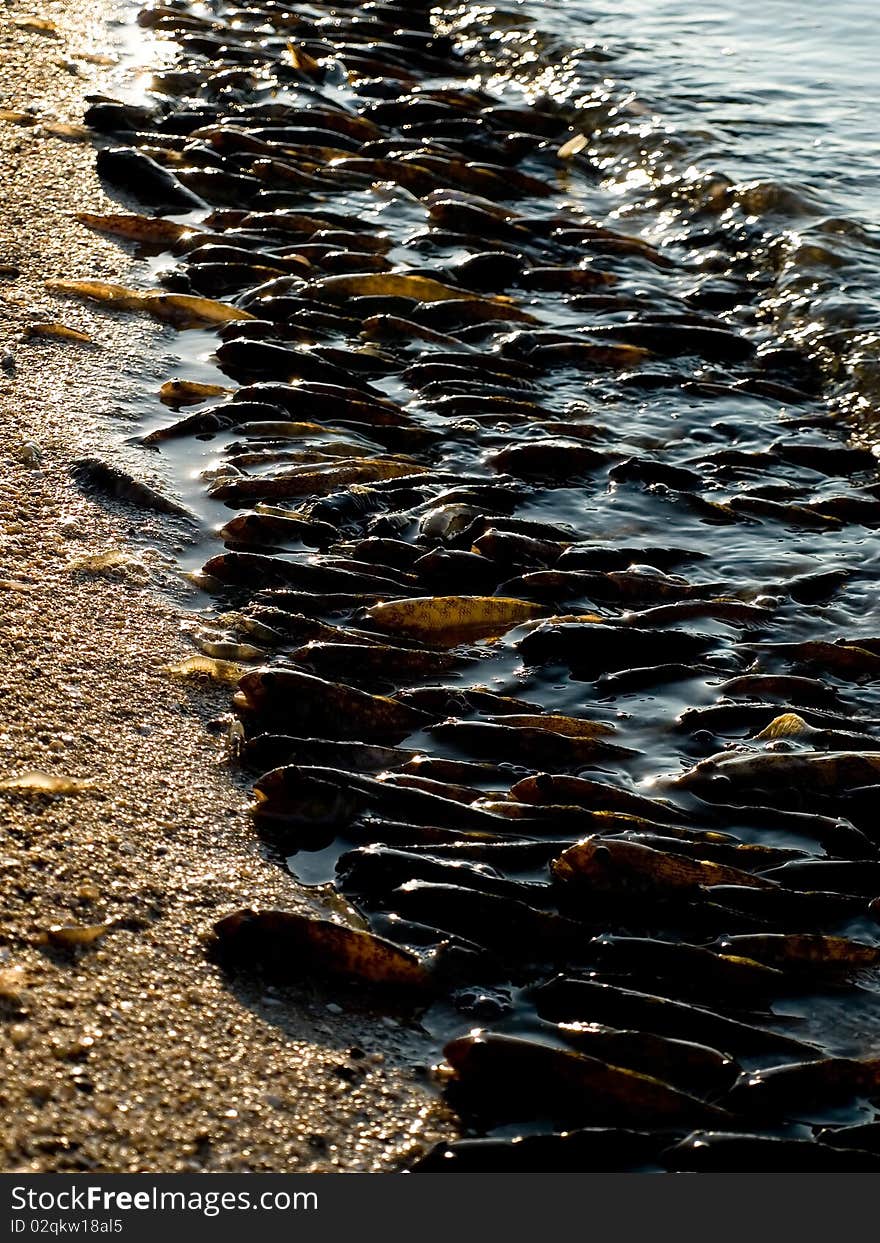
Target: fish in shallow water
x=295 y=946
x=313 y=706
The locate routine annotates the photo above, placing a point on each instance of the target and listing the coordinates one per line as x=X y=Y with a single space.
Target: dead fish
x=535 y=528
x=315 y=400
x=724 y=718
x=864 y=1136
x=511 y=550
x=592 y=795
x=312 y=705
x=834 y=834
x=786 y=908
x=723 y=1152
x=789 y=514
x=846 y=876
x=394 y=553
x=683 y=1064
x=564 y=1084
x=151 y=230
x=588 y=355
x=829 y=459
x=791 y=725
x=449 y=620
x=592 y=648
x=525 y=745
x=800 y=1088
x=689 y=970
x=787 y=688
x=397 y=328
x=307 y=481
x=395 y=284
x=178 y=393
x=375 y=663
x=252 y=569
x=513 y=855
x=846 y=661
x=548 y=459
x=696 y=843
x=57 y=332
x=856 y=509
x=607 y=864
x=445 y=789
x=276 y=627
x=445 y=522
x=375 y=871
x=575 y=1000
x=295 y=798
x=249 y=360
x=94 y=475
x=281 y=787
x=507 y=926
x=730 y=612
x=811 y=588
x=434 y=768
x=295 y=946
x=134 y=171
x=569 y=726
x=627 y=681
x=611 y=587
x=312 y=605
x=601 y=557
x=648 y=471
x=564 y=280
x=803 y=951
x=443 y=701
x=598 y=1149
x=275 y=530
x=781 y=777
x=680 y=340
x=453 y=569
x=179 y=309
x=554 y=818
x=268 y=751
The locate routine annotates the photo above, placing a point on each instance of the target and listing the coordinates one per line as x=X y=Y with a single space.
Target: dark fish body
x=562 y=1083
x=596 y=1150
x=574 y=1000
x=596 y=648
x=708 y=1152
x=135 y=172
x=295 y=700
x=94 y=475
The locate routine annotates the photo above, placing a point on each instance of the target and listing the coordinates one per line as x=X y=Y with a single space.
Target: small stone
x=74 y=935
x=13 y=982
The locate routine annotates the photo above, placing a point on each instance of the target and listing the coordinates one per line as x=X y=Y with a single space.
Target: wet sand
x=135 y=1054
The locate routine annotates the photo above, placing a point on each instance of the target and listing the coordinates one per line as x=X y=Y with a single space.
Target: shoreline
x=155 y=844
x=133 y=1054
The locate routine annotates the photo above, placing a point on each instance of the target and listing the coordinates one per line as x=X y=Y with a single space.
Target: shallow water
x=781 y=97
x=790 y=89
